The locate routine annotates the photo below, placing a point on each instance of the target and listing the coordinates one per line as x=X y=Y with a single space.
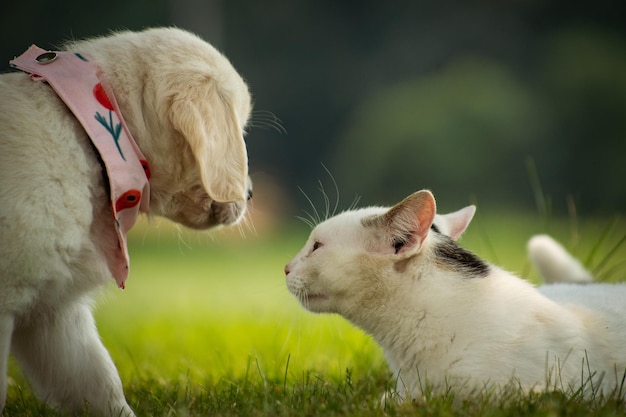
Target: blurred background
x=490 y=102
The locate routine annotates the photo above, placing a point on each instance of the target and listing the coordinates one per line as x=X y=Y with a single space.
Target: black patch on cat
x=435 y=228
x=451 y=256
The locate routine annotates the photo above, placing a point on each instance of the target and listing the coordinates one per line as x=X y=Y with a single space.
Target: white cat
x=448 y=320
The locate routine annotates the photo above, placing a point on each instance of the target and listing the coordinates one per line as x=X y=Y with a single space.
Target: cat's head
x=358 y=256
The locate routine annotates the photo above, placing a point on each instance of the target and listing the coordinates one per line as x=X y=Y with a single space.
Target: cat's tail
x=554 y=263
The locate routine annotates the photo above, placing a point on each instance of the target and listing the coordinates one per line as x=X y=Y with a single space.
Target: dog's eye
x=316 y=246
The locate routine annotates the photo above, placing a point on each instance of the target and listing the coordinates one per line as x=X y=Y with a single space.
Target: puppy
x=186 y=107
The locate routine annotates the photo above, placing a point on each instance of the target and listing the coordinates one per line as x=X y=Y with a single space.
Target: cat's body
x=447 y=320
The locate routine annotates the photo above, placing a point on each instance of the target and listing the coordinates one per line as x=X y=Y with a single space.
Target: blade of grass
x=596 y=247
x=597 y=270
x=535 y=183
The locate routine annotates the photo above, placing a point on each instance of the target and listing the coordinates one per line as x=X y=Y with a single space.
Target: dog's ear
x=209 y=124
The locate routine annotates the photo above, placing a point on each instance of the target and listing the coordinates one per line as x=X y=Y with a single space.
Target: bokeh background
x=475 y=100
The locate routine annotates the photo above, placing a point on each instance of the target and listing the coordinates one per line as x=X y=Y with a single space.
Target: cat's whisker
x=316 y=217
x=326 y=200
x=332 y=178
x=355 y=202
x=301 y=295
x=330 y=209
x=306 y=221
x=305 y=298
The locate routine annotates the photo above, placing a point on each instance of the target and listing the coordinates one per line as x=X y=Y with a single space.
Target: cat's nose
x=287 y=270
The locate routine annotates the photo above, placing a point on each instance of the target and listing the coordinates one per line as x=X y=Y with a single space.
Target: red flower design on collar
x=101 y=96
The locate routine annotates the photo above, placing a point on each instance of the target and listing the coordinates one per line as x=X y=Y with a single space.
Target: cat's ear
x=409 y=221
x=406 y=224
x=454 y=224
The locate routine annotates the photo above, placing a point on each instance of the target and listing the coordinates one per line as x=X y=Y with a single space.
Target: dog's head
x=187 y=108
x=208 y=109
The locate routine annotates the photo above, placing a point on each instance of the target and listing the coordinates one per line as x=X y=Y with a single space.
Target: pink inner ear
x=410 y=220
x=459 y=220
x=426 y=212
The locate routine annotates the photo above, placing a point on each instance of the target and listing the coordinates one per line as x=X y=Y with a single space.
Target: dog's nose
x=249 y=186
x=287 y=270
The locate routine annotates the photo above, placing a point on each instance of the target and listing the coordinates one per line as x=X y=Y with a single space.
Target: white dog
x=186 y=108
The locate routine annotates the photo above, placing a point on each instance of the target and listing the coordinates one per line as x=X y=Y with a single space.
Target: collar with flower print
x=79 y=83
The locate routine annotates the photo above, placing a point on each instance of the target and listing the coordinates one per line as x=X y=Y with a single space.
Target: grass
x=206 y=326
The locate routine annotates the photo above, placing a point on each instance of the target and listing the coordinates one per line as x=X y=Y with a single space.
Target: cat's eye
x=316 y=246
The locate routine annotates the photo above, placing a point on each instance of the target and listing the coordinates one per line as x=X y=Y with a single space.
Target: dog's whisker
x=242 y=231
x=268 y=124
x=264 y=118
x=247 y=223
x=182 y=244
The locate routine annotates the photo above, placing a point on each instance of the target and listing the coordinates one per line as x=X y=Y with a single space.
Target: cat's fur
x=448 y=320
x=554 y=263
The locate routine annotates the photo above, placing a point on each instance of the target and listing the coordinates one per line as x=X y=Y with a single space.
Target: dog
x=186 y=108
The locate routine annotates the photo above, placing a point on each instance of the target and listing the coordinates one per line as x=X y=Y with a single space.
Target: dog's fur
x=187 y=108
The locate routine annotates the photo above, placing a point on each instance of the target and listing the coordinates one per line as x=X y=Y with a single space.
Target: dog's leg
x=67 y=364
x=6 y=330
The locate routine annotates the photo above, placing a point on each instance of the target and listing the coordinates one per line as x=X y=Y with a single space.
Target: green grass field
x=206 y=326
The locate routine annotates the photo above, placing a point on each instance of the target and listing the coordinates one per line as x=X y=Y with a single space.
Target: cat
x=447 y=320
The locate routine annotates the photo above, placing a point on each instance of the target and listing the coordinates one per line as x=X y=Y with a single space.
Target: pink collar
x=79 y=83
